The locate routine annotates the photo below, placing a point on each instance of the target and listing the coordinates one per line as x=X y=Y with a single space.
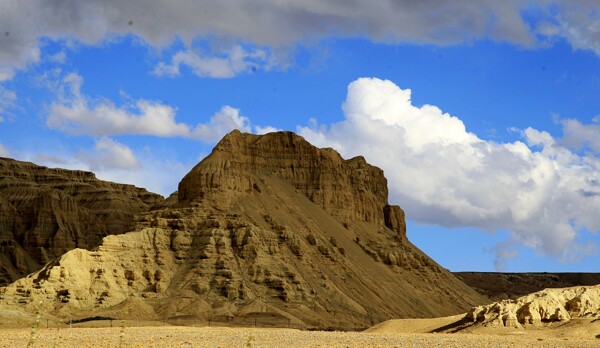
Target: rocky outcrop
x=265 y=226
x=546 y=306
x=349 y=190
x=46 y=212
x=499 y=286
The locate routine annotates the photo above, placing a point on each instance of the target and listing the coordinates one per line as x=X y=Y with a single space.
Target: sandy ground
x=174 y=336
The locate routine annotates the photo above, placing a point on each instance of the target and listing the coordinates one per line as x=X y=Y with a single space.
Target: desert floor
x=179 y=336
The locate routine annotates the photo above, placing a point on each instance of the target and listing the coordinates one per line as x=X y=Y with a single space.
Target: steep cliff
x=265 y=226
x=46 y=212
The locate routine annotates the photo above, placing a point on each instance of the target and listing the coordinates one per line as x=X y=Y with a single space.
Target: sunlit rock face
x=546 y=306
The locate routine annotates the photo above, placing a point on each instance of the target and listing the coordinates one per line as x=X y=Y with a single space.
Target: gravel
x=256 y=337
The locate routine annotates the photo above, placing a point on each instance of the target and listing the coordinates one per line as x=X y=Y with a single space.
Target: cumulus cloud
x=276 y=23
x=233 y=62
x=109 y=154
x=221 y=123
x=581 y=136
x=443 y=174
x=76 y=113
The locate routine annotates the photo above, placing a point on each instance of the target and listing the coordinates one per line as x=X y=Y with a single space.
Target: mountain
x=46 y=212
x=266 y=226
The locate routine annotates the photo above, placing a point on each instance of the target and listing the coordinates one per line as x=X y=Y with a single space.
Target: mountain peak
x=350 y=190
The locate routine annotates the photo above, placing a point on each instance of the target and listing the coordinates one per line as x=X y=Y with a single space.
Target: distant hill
x=500 y=286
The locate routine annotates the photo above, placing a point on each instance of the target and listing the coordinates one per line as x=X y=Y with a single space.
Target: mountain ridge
x=45 y=212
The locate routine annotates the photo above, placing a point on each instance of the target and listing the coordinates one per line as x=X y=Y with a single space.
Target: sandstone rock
x=46 y=212
x=394 y=219
x=546 y=306
x=349 y=190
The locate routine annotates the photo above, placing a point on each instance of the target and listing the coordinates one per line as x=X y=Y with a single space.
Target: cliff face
x=349 y=190
x=46 y=212
x=265 y=227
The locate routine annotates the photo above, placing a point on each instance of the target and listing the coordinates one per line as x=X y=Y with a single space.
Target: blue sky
x=485 y=117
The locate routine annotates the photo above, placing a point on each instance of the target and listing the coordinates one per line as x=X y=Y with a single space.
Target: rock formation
x=546 y=306
x=46 y=212
x=349 y=190
x=265 y=226
x=499 y=286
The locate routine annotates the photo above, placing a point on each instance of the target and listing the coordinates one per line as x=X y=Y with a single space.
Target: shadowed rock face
x=46 y=212
x=265 y=226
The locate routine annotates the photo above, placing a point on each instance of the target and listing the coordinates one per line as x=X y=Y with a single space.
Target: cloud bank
x=542 y=192
x=277 y=23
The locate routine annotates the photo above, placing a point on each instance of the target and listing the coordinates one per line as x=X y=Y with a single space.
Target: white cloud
x=579 y=135
x=233 y=62
x=221 y=123
x=116 y=162
x=265 y=130
x=109 y=154
x=76 y=113
x=576 y=21
x=442 y=174
x=6 y=73
x=59 y=57
x=156 y=175
x=8 y=99
x=277 y=24
x=4 y=151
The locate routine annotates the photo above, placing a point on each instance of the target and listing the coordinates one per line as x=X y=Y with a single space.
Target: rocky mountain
x=499 y=286
x=46 y=212
x=266 y=227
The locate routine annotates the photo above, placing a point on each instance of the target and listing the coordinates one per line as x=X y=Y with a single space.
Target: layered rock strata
x=266 y=227
x=46 y=212
x=349 y=190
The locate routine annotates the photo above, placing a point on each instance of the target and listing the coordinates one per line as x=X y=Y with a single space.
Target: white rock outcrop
x=549 y=305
